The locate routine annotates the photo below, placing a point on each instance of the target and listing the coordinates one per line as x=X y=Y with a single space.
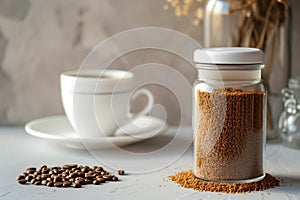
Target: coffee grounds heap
x=69 y=175
x=186 y=179
x=229 y=134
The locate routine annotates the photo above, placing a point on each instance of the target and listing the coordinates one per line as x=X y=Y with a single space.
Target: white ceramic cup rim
x=89 y=81
x=94 y=73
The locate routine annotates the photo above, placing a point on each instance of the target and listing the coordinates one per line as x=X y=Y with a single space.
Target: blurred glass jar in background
x=289 y=121
x=251 y=24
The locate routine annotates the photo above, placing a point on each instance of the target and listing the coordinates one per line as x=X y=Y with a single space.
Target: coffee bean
x=45 y=170
x=36 y=173
x=22 y=181
x=38 y=177
x=79 y=178
x=73 y=175
x=45 y=176
x=88 y=181
x=72 y=179
x=50 y=184
x=81 y=182
x=44 y=167
x=97 y=174
x=33 y=181
x=21 y=177
x=64 y=175
x=58 y=184
x=49 y=179
x=67 y=183
x=96 y=182
x=114 y=178
x=57 y=179
x=101 y=180
x=69 y=166
x=37 y=183
x=107 y=177
x=44 y=182
x=53 y=168
x=74 y=165
x=89 y=176
x=30 y=171
x=90 y=172
x=84 y=170
x=25 y=174
x=76 y=185
x=121 y=172
x=99 y=169
x=103 y=173
x=29 y=178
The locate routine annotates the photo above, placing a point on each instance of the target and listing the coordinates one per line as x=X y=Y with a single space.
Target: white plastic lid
x=229 y=55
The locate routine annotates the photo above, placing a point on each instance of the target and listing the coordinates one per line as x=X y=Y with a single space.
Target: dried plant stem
x=243 y=7
x=262 y=37
x=259 y=27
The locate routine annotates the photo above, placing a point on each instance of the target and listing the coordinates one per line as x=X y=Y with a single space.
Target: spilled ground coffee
x=186 y=179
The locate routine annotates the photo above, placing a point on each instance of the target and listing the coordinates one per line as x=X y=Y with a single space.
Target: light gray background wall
x=39 y=39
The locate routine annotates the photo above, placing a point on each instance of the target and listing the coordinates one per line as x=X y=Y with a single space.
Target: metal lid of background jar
x=229 y=55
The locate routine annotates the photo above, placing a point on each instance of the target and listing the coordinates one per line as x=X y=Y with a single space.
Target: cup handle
x=146 y=110
x=148 y=107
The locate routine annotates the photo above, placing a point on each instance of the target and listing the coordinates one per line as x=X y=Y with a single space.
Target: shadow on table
x=149 y=145
x=146 y=146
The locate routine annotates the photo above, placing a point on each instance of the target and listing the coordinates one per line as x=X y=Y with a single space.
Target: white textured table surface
x=19 y=151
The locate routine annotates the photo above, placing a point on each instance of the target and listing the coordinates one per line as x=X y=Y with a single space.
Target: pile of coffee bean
x=69 y=175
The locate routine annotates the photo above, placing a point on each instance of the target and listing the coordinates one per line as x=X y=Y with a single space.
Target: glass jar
x=229 y=115
x=289 y=121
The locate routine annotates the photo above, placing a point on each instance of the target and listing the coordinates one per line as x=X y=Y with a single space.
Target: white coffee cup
x=97 y=102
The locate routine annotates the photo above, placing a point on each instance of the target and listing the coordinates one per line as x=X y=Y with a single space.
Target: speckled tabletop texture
x=19 y=151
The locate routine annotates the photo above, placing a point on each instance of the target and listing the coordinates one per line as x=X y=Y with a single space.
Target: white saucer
x=59 y=130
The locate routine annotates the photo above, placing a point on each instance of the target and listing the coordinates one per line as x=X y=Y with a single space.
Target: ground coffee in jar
x=229 y=115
